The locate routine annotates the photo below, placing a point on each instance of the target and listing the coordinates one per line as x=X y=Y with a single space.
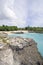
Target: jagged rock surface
x=20 y=51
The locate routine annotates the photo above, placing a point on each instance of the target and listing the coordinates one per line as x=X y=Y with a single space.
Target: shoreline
x=18 y=32
x=14 y=32
x=10 y=32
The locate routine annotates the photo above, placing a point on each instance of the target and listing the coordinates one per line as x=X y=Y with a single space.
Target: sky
x=21 y=13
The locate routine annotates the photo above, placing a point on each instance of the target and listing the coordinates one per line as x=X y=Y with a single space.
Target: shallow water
x=36 y=36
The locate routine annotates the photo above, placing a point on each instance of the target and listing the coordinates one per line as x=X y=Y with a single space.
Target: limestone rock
x=3 y=35
x=20 y=51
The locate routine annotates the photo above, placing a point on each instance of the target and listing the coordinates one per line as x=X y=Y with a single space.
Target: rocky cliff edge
x=19 y=51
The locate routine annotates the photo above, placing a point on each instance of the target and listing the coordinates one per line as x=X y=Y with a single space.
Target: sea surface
x=36 y=36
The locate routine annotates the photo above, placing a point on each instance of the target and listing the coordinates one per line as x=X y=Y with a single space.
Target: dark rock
x=19 y=32
x=23 y=63
x=38 y=63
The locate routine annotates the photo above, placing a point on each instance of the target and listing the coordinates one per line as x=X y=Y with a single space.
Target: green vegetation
x=34 y=29
x=13 y=28
x=8 y=28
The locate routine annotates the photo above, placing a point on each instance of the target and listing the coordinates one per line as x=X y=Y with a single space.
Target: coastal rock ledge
x=19 y=51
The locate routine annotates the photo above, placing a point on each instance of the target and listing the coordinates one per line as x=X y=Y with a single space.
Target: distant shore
x=14 y=32
x=18 y=32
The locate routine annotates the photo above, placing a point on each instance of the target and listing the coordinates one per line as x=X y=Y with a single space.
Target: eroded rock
x=20 y=51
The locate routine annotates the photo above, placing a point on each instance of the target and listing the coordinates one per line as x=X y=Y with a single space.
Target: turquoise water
x=36 y=36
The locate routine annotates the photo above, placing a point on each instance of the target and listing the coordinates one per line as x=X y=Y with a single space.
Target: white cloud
x=14 y=12
x=9 y=13
x=21 y=12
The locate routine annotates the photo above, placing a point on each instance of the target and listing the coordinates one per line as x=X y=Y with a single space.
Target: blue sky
x=21 y=13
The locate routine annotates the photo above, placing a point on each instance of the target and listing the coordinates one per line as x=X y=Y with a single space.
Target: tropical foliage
x=13 y=28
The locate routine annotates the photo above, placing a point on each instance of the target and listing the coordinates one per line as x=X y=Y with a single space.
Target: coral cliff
x=19 y=51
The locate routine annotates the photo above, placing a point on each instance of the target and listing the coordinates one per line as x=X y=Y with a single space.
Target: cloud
x=21 y=12
x=9 y=13
x=35 y=13
x=13 y=12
